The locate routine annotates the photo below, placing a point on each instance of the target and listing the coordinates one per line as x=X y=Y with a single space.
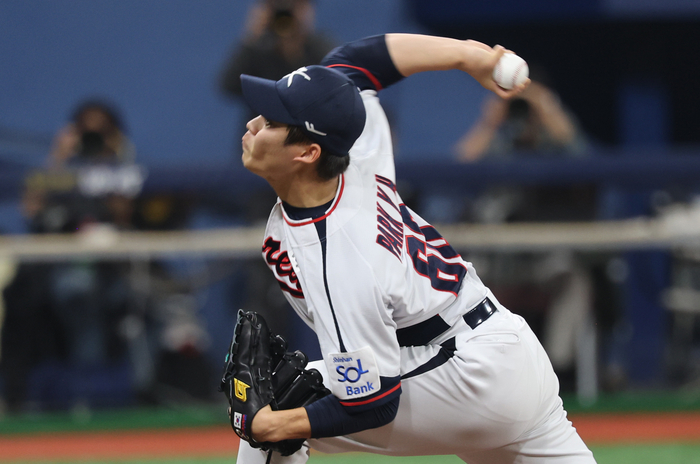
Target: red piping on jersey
x=360 y=403
x=369 y=75
x=311 y=221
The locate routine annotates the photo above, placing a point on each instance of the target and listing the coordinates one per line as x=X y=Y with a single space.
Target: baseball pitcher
x=419 y=358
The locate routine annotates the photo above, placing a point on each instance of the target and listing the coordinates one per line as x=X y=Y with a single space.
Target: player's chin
x=249 y=163
x=246 y=159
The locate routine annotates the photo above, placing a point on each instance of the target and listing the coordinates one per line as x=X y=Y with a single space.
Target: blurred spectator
x=95 y=134
x=554 y=291
x=280 y=38
x=534 y=125
x=53 y=201
x=71 y=310
x=535 y=121
x=88 y=296
x=76 y=324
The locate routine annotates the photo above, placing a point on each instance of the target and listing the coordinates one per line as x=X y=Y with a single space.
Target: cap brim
x=262 y=97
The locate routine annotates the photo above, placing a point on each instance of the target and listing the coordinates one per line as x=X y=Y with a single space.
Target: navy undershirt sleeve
x=328 y=418
x=332 y=416
x=366 y=61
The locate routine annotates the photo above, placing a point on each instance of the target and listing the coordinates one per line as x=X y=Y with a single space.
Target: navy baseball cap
x=323 y=102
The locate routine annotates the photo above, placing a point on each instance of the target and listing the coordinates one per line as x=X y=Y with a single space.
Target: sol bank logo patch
x=353 y=374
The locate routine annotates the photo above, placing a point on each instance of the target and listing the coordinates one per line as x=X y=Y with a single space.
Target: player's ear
x=310 y=154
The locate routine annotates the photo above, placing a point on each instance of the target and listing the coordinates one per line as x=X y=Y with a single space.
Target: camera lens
x=283 y=21
x=92 y=143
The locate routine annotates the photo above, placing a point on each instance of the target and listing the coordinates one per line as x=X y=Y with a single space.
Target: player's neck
x=309 y=193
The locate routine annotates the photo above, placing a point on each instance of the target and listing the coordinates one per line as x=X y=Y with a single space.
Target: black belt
x=423 y=332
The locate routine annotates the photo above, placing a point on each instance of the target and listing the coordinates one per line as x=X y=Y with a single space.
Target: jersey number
x=431 y=255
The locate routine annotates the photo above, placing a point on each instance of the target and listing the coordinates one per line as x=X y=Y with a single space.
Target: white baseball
x=510 y=71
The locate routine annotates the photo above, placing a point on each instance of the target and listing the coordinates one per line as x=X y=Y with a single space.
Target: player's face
x=264 y=151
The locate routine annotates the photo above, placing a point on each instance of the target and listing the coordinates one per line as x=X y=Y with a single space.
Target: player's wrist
x=273 y=426
x=477 y=60
x=260 y=427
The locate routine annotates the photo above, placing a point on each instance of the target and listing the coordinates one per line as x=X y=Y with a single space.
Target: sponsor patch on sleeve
x=354 y=374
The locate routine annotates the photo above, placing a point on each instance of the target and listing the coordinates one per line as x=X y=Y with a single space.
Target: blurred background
x=131 y=232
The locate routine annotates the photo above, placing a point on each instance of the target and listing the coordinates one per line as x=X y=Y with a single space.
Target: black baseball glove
x=259 y=371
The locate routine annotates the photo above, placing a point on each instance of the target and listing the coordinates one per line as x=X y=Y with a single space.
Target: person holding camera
x=95 y=133
x=70 y=308
x=536 y=121
x=280 y=38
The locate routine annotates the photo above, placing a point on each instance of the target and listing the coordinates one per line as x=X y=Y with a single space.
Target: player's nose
x=254 y=125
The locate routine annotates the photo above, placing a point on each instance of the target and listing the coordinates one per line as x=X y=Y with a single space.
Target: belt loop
x=480 y=313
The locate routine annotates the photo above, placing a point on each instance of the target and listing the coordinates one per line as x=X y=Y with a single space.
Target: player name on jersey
x=390 y=234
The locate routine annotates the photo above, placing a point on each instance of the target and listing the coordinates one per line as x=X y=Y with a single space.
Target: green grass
x=637 y=401
x=117 y=419
x=647 y=454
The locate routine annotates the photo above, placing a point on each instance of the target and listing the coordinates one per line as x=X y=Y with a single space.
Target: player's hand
x=65 y=144
x=480 y=62
x=266 y=404
x=259 y=18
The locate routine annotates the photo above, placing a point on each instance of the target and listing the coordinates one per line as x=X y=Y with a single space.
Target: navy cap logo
x=298 y=72
x=310 y=127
